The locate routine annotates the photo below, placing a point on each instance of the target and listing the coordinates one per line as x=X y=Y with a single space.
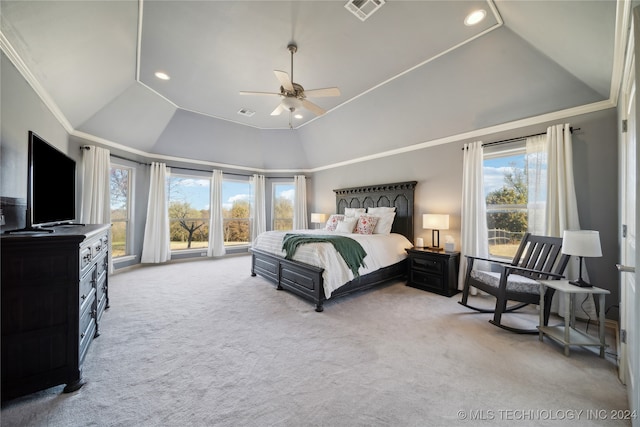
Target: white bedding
x=382 y=250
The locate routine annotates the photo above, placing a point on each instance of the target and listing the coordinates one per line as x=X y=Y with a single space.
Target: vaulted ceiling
x=411 y=72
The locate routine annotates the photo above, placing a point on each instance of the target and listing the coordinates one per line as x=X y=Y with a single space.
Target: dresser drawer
x=85 y=259
x=101 y=294
x=86 y=292
x=426 y=280
x=86 y=332
x=431 y=265
x=98 y=248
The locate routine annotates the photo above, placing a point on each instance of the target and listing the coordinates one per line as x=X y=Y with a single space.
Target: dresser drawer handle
x=83 y=297
x=82 y=335
x=87 y=257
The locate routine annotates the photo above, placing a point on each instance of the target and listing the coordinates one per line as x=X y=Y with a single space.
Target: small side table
x=434 y=271
x=568 y=335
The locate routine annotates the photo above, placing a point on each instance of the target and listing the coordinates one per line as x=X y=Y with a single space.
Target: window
x=236 y=209
x=283 y=196
x=506 y=195
x=120 y=179
x=188 y=211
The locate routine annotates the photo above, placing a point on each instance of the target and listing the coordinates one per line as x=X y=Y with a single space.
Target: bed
x=307 y=280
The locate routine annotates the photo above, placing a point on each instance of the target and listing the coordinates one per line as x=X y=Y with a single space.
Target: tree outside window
x=506 y=197
x=120 y=179
x=283 y=196
x=188 y=212
x=236 y=211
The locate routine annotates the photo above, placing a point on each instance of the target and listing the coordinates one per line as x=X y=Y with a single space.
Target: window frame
x=274 y=186
x=251 y=204
x=129 y=222
x=515 y=148
x=171 y=175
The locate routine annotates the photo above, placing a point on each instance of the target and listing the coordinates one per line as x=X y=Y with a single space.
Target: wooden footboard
x=302 y=279
x=306 y=280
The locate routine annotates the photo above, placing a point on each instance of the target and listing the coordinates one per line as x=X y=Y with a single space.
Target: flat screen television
x=51 y=191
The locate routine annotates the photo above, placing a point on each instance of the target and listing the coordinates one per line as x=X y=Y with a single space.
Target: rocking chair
x=537 y=258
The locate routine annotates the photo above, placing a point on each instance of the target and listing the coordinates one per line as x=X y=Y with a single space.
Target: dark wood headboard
x=400 y=195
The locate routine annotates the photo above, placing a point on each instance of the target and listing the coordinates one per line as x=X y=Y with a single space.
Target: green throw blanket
x=350 y=250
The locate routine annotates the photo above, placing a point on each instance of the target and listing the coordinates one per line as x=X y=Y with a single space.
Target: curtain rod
x=86 y=147
x=519 y=138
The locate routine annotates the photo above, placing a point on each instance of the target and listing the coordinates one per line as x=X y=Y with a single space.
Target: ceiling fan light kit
x=294 y=97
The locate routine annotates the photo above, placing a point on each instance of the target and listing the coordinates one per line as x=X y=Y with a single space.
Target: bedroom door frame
x=629 y=353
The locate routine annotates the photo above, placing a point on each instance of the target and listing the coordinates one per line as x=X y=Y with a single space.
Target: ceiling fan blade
x=284 y=80
x=279 y=109
x=327 y=91
x=245 y=92
x=318 y=111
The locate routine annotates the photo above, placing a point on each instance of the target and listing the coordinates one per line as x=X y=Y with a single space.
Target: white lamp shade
x=318 y=218
x=435 y=222
x=584 y=243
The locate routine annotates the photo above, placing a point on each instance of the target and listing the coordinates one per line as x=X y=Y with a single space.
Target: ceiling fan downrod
x=293 y=48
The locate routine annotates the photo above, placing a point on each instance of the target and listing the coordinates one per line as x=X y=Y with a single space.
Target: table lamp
x=581 y=243
x=318 y=218
x=435 y=223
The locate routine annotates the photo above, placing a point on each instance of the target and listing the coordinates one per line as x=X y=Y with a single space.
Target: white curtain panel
x=562 y=208
x=96 y=188
x=473 y=230
x=156 y=247
x=258 y=206
x=537 y=160
x=300 y=203
x=216 y=230
x=96 y=200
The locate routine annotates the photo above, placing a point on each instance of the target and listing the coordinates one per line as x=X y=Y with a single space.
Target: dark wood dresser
x=433 y=271
x=54 y=291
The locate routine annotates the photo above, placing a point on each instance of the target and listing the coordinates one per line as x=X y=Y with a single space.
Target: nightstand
x=433 y=271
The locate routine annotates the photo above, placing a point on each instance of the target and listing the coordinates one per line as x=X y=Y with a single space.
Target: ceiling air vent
x=246 y=112
x=363 y=8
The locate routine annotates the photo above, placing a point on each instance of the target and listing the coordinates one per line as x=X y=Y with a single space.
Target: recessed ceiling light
x=475 y=17
x=162 y=76
x=298 y=116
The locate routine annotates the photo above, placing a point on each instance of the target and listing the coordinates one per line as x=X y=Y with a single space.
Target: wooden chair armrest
x=496 y=261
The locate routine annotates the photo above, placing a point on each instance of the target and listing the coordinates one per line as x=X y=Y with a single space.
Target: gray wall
x=22 y=110
x=438 y=171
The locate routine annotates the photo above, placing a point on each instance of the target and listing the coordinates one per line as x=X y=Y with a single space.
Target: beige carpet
x=202 y=343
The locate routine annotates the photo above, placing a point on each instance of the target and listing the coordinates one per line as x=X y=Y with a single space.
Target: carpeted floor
x=202 y=343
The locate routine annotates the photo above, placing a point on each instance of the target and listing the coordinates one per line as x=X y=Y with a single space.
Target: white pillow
x=346 y=225
x=354 y=212
x=385 y=222
x=381 y=210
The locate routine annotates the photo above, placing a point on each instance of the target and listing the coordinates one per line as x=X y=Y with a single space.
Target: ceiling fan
x=293 y=94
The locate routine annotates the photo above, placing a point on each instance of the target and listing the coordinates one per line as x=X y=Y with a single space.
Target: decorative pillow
x=346 y=225
x=381 y=210
x=366 y=224
x=354 y=212
x=333 y=221
x=385 y=222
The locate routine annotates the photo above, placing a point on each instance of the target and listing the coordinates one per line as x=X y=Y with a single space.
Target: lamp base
x=581 y=283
